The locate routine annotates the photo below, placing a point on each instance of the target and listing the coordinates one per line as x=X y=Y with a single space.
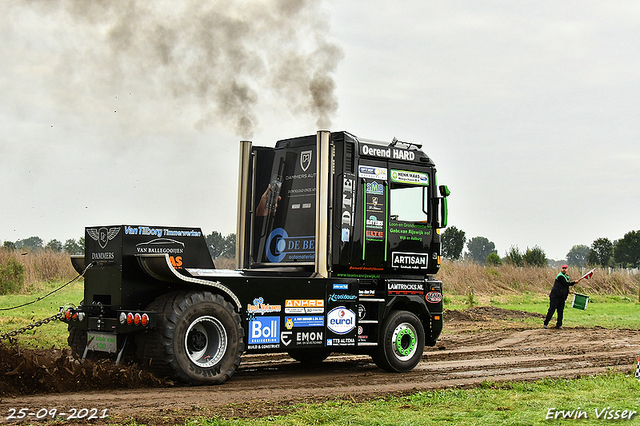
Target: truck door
x=410 y=231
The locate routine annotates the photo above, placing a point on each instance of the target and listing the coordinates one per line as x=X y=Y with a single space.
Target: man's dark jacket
x=561 y=286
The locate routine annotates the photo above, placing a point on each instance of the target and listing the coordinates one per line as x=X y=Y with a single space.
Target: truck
x=337 y=247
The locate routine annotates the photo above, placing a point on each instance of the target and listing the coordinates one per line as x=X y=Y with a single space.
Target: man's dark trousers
x=555 y=303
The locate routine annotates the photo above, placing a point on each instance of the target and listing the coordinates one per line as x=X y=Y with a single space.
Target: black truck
x=337 y=245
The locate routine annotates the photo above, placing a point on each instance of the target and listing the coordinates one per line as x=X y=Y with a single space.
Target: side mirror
x=444 y=210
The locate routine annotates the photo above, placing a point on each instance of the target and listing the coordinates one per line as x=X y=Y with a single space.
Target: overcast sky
x=131 y=112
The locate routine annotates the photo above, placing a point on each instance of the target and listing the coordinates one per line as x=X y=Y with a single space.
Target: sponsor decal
x=366 y=292
x=383 y=152
x=375 y=188
x=374 y=235
x=364 y=268
x=434 y=297
x=305 y=159
x=309 y=337
x=181 y=233
x=407 y=231
x=348 y=209
x=176 y=261
x=370 y=172
x=109 y=255
x=403 y=176
x=374 y=222
x=339 y=297
x=103 y=235
x=341 y=320
x=160 y=246
x=280 y=247
x=409 y=260
x=264 y=330
x=260 y=308
x=161 y=232
x=269 y=346
x=345 y=341
x=303 y=321
x=396 y=287
x=375 y=208
x=285 y=337
x=374 y=204
x=315 y=306
x=341 y=286
x=362 y=312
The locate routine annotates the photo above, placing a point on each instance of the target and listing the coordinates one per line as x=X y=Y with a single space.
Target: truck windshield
x=407 y=203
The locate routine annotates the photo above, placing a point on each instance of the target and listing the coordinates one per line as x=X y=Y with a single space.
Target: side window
x=408 y=203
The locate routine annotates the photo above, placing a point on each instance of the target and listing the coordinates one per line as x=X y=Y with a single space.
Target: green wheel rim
x=405 y=341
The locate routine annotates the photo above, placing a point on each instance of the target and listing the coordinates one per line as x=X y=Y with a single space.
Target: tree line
x=603 y=252
x=219 y=246
x=623 y=253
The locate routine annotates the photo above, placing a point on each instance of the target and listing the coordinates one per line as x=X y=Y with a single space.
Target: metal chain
x=21 y=330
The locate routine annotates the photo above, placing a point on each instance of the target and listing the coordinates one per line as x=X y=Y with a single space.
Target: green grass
x=607 y=311
x=602 y=311
x=48 y=335
x=517 y=403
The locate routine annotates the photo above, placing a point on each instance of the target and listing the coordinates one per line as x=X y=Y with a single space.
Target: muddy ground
x=482 y=343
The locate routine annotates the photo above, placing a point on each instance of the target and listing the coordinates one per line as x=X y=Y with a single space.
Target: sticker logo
x=409 y=260
x=305 y=159
x=103 y=235
x=434 y=297
x=281 y=246
x=341 y=320
x=264 y=330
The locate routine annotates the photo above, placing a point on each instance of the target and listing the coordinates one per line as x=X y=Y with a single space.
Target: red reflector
x=136 y=319
x=145 y=319
x=67 y=314
x=129 y=318
x=74 y=316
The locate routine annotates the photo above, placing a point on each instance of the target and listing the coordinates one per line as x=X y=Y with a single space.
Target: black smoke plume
x=220 y=55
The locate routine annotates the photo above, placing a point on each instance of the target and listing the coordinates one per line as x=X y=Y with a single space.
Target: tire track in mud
x=459 y=360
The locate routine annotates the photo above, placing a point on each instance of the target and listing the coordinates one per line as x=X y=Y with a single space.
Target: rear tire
x=401 y=342
x=77 y=341
x=198 y=339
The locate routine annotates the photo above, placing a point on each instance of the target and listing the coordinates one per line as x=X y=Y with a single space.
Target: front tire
x=198 y=340
x=401 y=342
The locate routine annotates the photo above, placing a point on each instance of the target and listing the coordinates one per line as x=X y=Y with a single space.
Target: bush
x=494 y=260
x=11 y=276
x=535 y=257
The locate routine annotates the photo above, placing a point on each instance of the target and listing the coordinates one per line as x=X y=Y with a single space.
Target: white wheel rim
x=205 y=341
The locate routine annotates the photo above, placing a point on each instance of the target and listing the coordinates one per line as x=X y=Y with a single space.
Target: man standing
x=558 y=296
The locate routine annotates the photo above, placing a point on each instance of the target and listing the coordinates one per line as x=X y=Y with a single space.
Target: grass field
x=589 y=400
x=608 y=311
x=592 y=399
x=48 y=335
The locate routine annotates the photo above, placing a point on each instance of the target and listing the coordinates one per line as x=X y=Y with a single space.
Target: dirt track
x=482 y=344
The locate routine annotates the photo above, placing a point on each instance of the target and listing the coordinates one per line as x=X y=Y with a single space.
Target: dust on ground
x=480 y=344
